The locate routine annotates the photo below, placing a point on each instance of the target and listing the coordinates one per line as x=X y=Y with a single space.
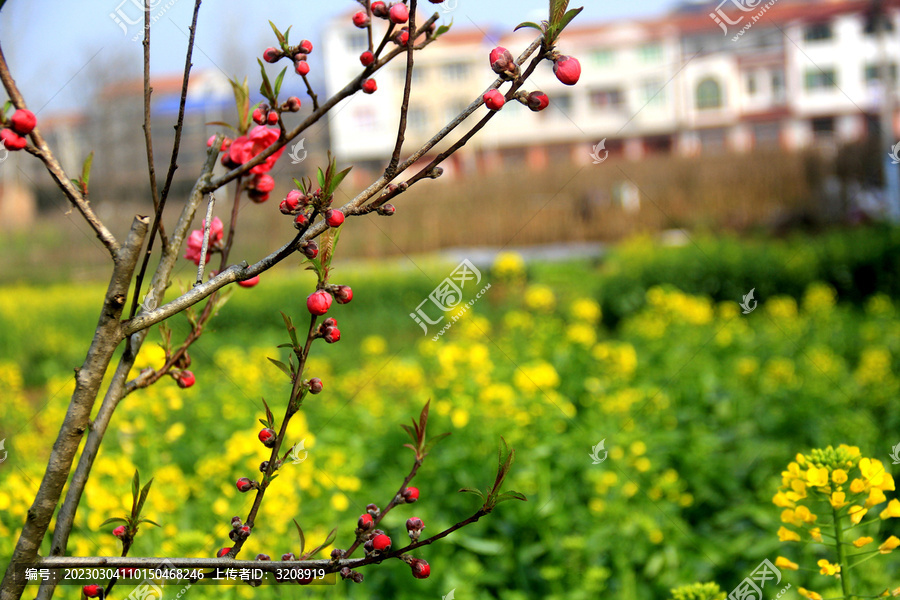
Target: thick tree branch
x=42 y=151
x=87 y=384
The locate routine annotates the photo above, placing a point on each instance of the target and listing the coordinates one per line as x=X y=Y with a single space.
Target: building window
x=818 y=32
x=820 y=79
x=871 y=26
x=778 y=94
x=603 y=57
x=607 y=99
x=651 y=53
x=357 y=41
x=455 y=71
x=709 y=94
x=872 y=73
x=563 y=103
x=653 y=92
x=766 y=135
x=751 y=84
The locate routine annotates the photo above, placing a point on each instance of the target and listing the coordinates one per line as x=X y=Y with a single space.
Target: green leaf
x=242 y=102
x=336 y=181
x=511 y=495
x=287 y=36
x=284 y=368
x=113 y=520
x=329 y=539
x=248 y=118
x=292 y=331
x=300 y=185
x=302 y=537
x=144 y=493
x=86 y=169
x=409 y=430
x=278 y=81
x=479 y=493
x=149 y=521
x=6 y=106
x=222 y=124
x=265 y=88
x=529 y=24
x=277 y=33
x=135 y=492
x=557 y=10
x=431 y=443
x=442 y=30
x=567 y=18
x=321 y=176
x=269 y=414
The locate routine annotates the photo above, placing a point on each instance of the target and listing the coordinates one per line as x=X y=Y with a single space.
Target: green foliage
x=698 y=591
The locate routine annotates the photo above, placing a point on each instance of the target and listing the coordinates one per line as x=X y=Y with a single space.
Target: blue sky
x=61 y=50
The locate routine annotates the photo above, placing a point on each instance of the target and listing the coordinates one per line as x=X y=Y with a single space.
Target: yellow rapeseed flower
x=839 y=476
x=585 y=309
x=892 y=510
x=857 y=486
x=838 y=500
x=889 y=544
x=860 y=542
x=876 y=496
x=826 y=568
x=786 y=535
x=817 y=476
x=816 y=534
x=540 y=298
x=783 y=563
x=809 y=594
x=804 y=514
x=781 y=500
x=857 y=513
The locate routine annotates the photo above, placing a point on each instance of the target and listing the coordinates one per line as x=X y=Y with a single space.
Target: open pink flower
x=195 y=240
x=247 y=146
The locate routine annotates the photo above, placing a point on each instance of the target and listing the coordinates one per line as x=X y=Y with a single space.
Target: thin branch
x=157 y=219
x=148 y=133
x=311 y=93
x=207 y=225
x=407 y=89
x=42 y=151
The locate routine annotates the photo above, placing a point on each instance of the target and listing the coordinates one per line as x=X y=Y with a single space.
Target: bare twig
x=42 y=151
x=157 y=219
x=407 y=88
x=148 y=133
x=207 y=225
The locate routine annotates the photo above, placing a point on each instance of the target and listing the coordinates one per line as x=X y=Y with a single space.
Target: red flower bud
x=318 y=302
x=119 y=531
x=23 y=121
x=538 y=101
x=264 y=183
x=244 y=485
x=386 y=210
x=293 y=104
x=410 y=494
x=267 y=437
x=381 y=542
x=365 y=522
x=567 y=70
x=369 y=86
x=258 y=196
x=361 y=19
x=329 y=322
x=494 y=100
x=414 y=523
x=92 y=590
x=366 y=58
x=310 y=249
x=305 y=46
x=259 y=116
x=315 y=385
x=343 y=294
x=245 y=531
x=399 y=13
x=249 y=283
x=263 y=557
x=420 y=568
x=222 y=552
x=272 y=118
x=332 y=335
x=334 y=218
x=12 y=140
x=288 y=556
x=300 y=221
x=302 y=67
x=379 y=9
x=184 y=379
x=271 y=55
x=402 y=38
x=226 y=143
